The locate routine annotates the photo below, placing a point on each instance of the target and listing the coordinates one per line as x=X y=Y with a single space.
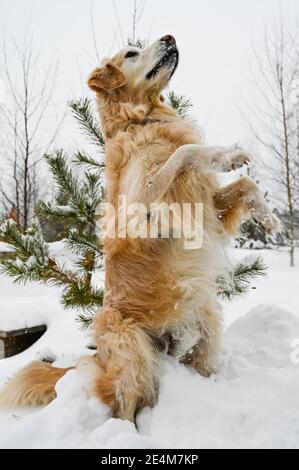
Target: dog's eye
x=131 y=54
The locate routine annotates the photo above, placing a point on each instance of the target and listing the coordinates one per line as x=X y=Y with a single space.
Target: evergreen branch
x=250 y=269
x=32 y=263
x=180 y=104
x=68 y=184
x=24 y=244
x=32 y=271
x=19 y=271
x=92 y=187
x=88 y=263
x=82 y=200
x=237 y=282
x=80 y=296
x=46 y=210
x=85 y=319
x=63 y=175
x=82 y=158
x=31 y=260
x=78 y=243
x=81 y=110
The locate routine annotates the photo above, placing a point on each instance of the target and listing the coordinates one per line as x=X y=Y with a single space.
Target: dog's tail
x=34 y=385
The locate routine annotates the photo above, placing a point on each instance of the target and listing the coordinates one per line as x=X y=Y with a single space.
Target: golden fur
x=33 y=385
x=156 y=292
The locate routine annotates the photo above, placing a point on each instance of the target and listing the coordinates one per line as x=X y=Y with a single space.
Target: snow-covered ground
x=253 y=401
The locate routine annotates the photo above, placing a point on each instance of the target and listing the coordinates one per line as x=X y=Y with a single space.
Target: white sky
x=214 y=38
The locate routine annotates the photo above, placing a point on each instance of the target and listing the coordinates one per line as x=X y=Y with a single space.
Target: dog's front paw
x=266 y=219
x=192 y=157
x=271 y=223
x=255 y=204
x=236 y=158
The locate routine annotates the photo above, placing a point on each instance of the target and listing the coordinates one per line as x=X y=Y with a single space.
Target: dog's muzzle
x=168 y=57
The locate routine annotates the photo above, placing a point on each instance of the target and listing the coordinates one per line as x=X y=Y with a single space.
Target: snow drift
x=252 y=402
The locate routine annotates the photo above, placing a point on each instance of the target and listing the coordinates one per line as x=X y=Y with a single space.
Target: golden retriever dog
x=160 y=297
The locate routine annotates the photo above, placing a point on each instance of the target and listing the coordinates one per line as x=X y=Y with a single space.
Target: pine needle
x=238 y=281
x=81 y=110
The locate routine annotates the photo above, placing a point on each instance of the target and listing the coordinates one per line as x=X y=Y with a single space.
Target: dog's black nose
x=168 y=39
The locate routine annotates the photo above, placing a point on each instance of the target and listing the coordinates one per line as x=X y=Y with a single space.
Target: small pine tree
x=75 y=210
x=75 y=214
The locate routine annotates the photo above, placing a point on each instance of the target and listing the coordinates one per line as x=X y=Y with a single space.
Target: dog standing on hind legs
x=157 y=292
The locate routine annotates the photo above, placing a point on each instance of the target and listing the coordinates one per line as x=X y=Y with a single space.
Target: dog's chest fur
x=132 y=161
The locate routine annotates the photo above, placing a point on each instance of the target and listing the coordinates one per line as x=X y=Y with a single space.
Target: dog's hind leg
x=240 y=200
x=203 y=356
x=124 y=373
x=198 y=344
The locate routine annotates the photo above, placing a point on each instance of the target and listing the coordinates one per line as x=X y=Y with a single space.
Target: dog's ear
x=107 y=78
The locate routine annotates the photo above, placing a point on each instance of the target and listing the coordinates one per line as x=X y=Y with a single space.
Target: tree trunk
x=288 y=177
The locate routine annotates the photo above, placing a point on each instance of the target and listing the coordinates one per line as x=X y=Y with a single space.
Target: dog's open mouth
x=169 y=59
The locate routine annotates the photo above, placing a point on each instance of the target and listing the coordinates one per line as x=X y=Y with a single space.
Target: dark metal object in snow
x=14 y=342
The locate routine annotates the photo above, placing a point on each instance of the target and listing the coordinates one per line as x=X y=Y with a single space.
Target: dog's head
x=134 y=74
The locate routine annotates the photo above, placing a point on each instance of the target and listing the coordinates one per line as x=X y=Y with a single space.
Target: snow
x=5 y=248
x=46 y=355
x=252 y=401
x=68 y=260
x=279 y=287
x=33 y=305
x=18 y=315
x=63 y=255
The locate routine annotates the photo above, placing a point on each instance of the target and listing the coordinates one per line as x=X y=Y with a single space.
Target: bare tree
x=26 y=130
x=273 y=119
x=295 y=100
x=138 y=8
